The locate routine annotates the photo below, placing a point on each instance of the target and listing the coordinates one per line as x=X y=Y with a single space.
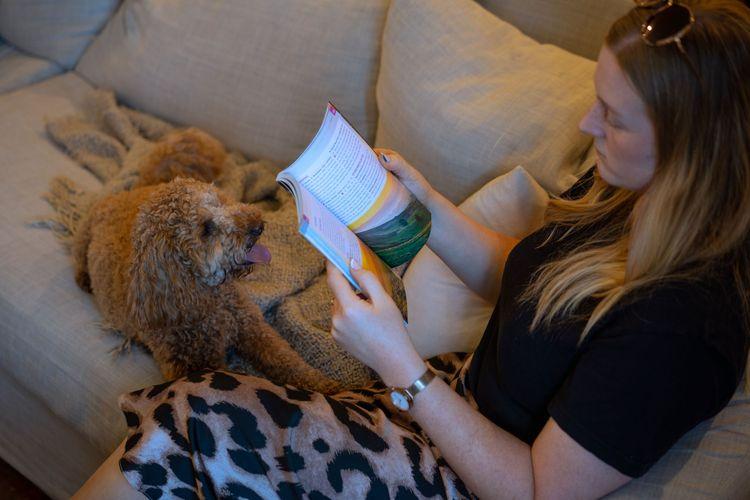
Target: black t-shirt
x=663 y=360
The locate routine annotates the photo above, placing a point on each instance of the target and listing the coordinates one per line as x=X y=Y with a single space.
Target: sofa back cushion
x=255 y=73
x=58 y=30
x=578 y=26
x=465 y=96
x=18 y=69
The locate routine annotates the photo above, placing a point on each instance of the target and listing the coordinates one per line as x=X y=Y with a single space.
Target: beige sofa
x=453 y=85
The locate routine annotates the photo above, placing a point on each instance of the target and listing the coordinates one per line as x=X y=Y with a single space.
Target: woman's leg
x=223 y=434
x=108 y=481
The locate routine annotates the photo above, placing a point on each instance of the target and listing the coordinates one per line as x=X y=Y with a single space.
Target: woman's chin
x=604 y=172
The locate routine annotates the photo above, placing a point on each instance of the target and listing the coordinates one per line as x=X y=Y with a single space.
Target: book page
x=343 y=173
x=340 y=245
x=341 y=170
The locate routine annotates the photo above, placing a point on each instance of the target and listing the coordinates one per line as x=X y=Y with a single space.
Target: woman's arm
x=495 y=464
x=492 y=462
x=475 y=253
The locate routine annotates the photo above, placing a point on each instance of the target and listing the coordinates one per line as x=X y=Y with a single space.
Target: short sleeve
x=631 y=396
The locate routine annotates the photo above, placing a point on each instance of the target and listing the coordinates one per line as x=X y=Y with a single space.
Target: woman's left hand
x=373 y=330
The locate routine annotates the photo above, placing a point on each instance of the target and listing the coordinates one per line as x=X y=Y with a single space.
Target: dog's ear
x=155 y=281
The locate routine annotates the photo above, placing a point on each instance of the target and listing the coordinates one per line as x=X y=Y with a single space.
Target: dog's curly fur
x=162 y=263
x=184 y=153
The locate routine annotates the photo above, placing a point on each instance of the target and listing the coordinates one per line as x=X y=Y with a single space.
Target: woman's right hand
x=407 y=174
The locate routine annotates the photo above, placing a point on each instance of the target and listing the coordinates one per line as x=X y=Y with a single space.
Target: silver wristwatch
x=403 y=398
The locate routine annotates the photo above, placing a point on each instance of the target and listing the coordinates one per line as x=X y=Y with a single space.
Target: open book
x=350 y=207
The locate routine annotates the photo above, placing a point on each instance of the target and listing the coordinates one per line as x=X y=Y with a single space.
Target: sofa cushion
x=444 y=315
x=18 y=69
x=579 y=26
x=465 y=97
x=51 y=341
x=255 y=74
x=41 y=446
x=58 y=30
x=710 y=461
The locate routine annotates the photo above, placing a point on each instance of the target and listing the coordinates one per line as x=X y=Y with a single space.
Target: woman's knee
x=108 y=481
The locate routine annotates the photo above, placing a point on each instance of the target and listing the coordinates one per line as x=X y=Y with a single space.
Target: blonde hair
x=696 y=210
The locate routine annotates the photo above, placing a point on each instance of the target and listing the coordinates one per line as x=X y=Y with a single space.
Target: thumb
x=389 y=160
x=368 y=281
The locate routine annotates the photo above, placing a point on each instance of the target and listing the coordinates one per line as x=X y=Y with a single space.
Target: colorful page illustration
x=340 y=245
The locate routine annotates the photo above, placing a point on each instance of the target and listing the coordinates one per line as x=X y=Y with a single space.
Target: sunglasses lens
x=666 y=23
x=648 y=3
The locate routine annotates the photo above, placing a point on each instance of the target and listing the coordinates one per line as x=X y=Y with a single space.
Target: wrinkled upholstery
x=266 y=95
x=56 y=30
x=578 y=26
x=18 y=69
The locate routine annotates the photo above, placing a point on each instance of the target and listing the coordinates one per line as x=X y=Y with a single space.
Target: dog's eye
x=209 y=228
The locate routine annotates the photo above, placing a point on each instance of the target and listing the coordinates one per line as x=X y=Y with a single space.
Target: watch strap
x=403 y=398
x=420 y=384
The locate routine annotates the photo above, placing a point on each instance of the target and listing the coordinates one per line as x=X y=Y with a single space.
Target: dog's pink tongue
x=258 y=253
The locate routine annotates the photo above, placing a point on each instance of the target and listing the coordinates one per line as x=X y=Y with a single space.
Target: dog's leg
x=79 y=250
x=181 y=351
x=272 y=355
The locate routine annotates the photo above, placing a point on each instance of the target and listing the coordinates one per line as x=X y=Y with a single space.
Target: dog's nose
x=255 y=232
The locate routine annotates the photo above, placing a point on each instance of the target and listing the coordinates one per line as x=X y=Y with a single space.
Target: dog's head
x=193 y=231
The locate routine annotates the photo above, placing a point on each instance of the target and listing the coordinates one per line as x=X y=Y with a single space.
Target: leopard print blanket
x=222 y=435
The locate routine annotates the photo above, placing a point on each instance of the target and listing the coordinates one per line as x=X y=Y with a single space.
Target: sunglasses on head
x=668 y=24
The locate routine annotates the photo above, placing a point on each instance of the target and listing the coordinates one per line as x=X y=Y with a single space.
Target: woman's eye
x=609 y=121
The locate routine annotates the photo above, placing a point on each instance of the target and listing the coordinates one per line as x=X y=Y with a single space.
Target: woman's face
x=623 y=133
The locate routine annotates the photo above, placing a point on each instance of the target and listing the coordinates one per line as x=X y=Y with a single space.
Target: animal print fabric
x=221 y=435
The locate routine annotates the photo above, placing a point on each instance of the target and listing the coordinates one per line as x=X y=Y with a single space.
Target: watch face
x=399 y=400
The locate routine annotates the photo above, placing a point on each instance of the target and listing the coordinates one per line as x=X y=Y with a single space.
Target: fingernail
x=385 y=158
x=354 y=264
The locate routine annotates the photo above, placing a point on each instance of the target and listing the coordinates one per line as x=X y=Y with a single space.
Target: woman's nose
x=591 y=124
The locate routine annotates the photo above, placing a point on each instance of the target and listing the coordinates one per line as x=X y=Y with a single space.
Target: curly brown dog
x=162 y=263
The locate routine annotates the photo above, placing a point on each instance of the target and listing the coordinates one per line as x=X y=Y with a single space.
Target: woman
x=620 y=326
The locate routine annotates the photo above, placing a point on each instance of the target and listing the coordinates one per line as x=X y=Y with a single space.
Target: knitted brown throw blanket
x=109 y=140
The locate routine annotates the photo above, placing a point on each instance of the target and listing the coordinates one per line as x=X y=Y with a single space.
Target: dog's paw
x=172 y=371
x=326 y=386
